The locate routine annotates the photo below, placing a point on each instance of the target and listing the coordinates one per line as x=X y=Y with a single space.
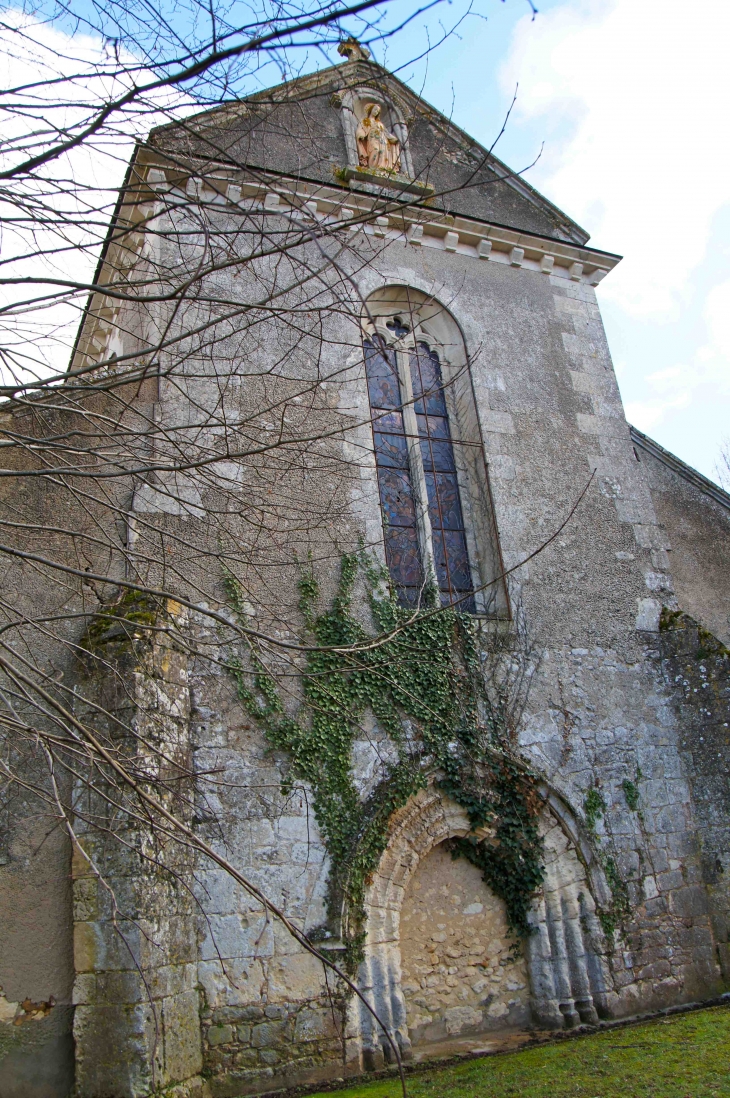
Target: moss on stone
x=121 y=620
x=707 y=643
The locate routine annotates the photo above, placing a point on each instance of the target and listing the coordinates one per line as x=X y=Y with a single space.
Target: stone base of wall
x=197 y=1087
x=253 y=1049
x=37 y=1056
x=285 y=1082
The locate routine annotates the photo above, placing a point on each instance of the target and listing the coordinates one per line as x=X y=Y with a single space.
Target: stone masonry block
x=295 y=978
x=267 y=1034
x=182 y=1035
x=220 y=1035
x=688 y=902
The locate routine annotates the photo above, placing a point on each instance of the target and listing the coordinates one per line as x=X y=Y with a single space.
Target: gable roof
x=296 y=129
x=681 y=468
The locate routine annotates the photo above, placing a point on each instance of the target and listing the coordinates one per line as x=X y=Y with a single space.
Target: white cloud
x=717 y=315
x=633 y=96
x=706 y=373
x=55 y=219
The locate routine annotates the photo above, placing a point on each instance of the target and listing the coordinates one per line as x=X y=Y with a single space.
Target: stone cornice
x=378 y=212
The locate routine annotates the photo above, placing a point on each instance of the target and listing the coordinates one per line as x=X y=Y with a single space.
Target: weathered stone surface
x=627 y=704
x=453 y=936
x=295 y=977
x=220 y=1035
x=137 y=1023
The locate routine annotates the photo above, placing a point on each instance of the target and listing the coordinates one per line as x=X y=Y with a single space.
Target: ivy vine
x=422 y=676
x=594 y=807
x=616 y=915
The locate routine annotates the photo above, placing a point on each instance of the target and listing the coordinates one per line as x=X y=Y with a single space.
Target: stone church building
x=449 y=349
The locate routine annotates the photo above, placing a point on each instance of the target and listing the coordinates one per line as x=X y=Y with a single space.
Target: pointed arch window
x=395 y=482
x=420 y=496
x=433 y=483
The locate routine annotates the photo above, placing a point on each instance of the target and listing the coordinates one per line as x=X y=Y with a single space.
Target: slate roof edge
x=702 y=483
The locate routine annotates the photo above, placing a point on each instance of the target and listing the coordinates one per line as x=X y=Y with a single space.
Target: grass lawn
x=683 y=1056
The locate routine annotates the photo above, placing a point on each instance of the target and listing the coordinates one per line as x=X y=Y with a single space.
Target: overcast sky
x=630 y=98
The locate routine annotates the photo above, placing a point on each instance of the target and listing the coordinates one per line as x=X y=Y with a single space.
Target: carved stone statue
x=377 y=149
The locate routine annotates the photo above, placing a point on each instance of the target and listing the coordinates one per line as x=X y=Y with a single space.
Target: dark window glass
x=404 y=561
x=396 y=325
x=394 y=477
x=395 y=497
x=427 y=383
x=443 y=499
x=390 y=448
x=444 y=504
x=383 y=384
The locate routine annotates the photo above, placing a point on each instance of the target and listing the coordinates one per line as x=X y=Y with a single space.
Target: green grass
x=684 y=1056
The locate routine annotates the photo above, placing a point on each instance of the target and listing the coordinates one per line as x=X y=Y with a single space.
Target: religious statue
x=377 y=149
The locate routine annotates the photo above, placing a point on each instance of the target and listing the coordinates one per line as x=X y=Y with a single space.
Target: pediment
x=306 y=128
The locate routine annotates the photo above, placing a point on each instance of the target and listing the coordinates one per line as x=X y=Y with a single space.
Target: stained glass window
x=402 y=551
x=398 y=498
x=451 y=558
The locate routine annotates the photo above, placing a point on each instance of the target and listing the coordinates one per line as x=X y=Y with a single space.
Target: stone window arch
x=433 y=482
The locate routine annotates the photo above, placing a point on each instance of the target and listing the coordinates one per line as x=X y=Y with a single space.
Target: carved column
x=567 y=974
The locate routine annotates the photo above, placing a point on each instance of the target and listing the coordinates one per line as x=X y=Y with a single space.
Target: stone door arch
x=568 y=978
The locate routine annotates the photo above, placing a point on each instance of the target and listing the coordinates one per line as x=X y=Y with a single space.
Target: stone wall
x=267 y=1013
x=458 y=974
x=600 y=713
x=36 y=961
x=203 y=990
x=42 y=619
x=136 y=1023
x=695 y=514
x=697 y=668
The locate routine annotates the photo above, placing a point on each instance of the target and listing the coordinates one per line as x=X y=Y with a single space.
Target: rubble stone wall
x=458 y=975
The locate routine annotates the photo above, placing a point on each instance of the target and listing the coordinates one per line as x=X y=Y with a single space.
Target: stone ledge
x=389 y=180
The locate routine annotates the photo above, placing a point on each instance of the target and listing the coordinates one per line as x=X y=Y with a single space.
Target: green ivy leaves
x=423 y=683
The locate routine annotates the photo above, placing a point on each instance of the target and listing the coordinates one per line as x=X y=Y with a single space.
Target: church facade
x=465 y=432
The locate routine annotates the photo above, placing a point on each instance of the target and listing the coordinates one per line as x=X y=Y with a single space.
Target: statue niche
x=377 y=149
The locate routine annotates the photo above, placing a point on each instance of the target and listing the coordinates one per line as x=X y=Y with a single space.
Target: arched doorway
x=564 y=972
